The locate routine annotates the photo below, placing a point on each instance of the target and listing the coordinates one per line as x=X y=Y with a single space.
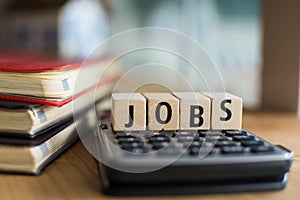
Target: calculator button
x=123 y=135
x=210 y=133
x=170 y=150
x=186 y=134
x=167 y=133
x=132 y=145
x=232 y=149
x=136 y=150
x=258 y=149
x=198 y=150
x=232 y=133
x=157 y=138
x=222 y=138
x=189 y=139
x=225 y=143
x=159 y=145
x=139 y=150
x=192 y=144
x=198 y=139
x=243 y=137
x=251 y=143
x=128 y=139
x=183 y=138
x=194 y=150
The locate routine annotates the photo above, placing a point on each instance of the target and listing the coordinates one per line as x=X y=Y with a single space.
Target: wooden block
x=226 y=112
x=163 y=111
x=194 y=110
x=128 y=111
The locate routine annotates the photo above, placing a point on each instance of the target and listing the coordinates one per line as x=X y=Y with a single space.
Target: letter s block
x=163 y=111
x=128 y=112
x=194 y=111
x=226 y=112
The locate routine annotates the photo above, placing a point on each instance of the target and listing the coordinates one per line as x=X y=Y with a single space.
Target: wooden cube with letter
x=194 y=111
x=163 y=111
x=129 y=111
x=226 y=112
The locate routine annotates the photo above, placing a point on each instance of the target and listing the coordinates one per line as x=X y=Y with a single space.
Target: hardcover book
x=51 y=82
x=31 y=156
x=23 y=119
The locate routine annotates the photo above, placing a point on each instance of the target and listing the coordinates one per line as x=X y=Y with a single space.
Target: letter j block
x=128 y=111
x=226 y=112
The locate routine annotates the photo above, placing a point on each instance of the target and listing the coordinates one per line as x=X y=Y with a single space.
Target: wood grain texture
x=122 y=103
x=226 y=111
x=194 y=111
x=74 y=174
x=163 y=111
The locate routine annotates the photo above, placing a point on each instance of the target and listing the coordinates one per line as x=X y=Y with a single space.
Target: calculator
x=188 y=162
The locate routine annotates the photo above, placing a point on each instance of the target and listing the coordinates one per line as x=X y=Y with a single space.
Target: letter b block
x=163 y=111
x=226 y=111
x=194 y=111
x=129 y=111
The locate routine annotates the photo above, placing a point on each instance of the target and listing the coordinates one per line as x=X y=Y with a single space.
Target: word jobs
x=179 y=110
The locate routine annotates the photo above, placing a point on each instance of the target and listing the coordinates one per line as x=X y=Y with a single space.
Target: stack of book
x=36 y=107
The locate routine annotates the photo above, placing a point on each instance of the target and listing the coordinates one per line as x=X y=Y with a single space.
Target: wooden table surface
x=74 y=174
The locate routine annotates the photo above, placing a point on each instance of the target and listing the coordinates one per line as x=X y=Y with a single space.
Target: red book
x=37 y=79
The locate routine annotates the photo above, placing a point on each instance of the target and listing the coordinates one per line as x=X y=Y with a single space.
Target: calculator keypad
x=223 y=142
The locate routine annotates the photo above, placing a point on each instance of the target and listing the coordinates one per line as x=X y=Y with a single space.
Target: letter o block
x=128 y=112
x=163 y=111
x=194 y=110
x=226 y=112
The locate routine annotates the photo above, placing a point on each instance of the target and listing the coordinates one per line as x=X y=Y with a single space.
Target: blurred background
x=232 y=32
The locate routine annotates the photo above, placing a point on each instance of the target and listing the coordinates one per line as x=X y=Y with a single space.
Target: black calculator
x=188 y=162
